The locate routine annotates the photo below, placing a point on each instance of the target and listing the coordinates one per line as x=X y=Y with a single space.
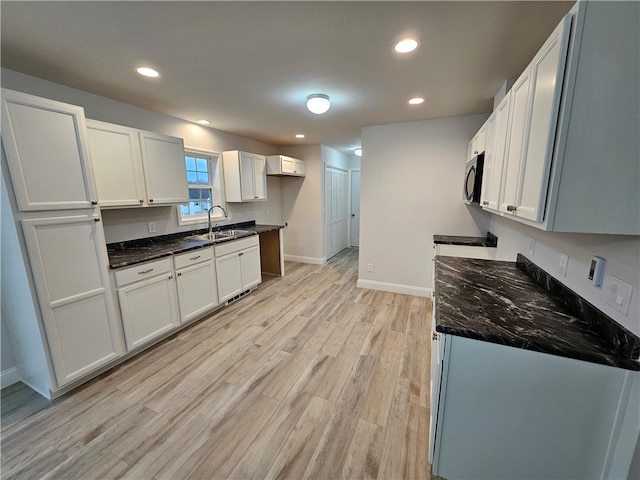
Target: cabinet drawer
x=236 y=245
x=142 y=271
x=192 y=257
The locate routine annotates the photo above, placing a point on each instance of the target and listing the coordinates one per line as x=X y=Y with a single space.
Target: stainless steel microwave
x=473 y=179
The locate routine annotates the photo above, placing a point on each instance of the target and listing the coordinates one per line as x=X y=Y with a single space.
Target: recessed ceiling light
x=203 y=122
x=299 y=135
x=147 y=72
x=318 y=103
x=406 y=45
x=416 y=101
x=358 y=152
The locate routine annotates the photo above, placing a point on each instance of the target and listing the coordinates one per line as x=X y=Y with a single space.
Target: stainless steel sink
x=221 y=235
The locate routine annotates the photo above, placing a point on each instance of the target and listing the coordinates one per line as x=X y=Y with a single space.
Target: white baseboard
x=9 y=377
x=301 y=259
x=395 y=288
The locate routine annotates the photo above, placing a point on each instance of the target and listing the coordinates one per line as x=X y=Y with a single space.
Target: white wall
x=302 y=207
x=621 y=252
x=411 y=189
x=126 y=224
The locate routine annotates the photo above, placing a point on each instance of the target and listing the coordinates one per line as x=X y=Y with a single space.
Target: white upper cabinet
x=134 y=168
x=245 y=176
x=497 y=130
x=164 y=168
x=47 y=153
x=285 y=166
x=477 y=145
x=571 y=162
x=117 y=163
x=69 y=264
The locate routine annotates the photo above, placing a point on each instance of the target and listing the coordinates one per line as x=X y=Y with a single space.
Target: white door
x=47 y=153
x=69 y=264
x=355 y=208
x=336 y=211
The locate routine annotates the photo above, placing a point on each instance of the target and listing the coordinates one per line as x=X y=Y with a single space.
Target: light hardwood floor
x=308 y=377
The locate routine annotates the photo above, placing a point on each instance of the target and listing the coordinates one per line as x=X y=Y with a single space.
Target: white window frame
x=215 y=183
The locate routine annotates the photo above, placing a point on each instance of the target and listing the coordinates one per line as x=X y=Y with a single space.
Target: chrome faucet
x=226 y=215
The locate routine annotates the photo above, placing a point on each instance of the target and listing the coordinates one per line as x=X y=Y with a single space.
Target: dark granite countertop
x=131 y=252
x=489 y=241
x=510 y=303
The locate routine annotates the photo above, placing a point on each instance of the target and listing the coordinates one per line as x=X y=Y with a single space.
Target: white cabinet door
x=229 y=274
x=259 y=177
x=498 y=153
x=245 y=176
x=547 y=77
x=250 y=267
x=149 y=309
x=117 y=164
x=287 y=164
x=197 y=290
x=489 y=161
x=47 y=153
x=517 y=134
x=283 y=166
x=164 y=169
x=69 y=265
x=534 y=115
x=247 y=183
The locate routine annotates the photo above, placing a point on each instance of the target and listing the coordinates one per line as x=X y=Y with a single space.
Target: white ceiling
x=249 y=66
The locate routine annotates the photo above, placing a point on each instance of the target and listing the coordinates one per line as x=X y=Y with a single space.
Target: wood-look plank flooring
x=309 y=377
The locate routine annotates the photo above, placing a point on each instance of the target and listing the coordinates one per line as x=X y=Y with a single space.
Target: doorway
x=336 y=198
x=355 y=209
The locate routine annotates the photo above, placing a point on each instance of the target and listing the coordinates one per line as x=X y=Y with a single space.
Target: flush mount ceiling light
x=203 y=122
x=299 y=135
x=147 y=72
x=318 y=103
x=358 y=152
x=416 y=100
x=406 y=45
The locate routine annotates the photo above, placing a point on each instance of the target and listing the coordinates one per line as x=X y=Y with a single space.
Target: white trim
x=394 y=288
x=302 y=259
x=9 y=377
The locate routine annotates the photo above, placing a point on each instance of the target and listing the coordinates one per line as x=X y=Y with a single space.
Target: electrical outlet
x=532 y=246
x=152 y=227
x=618 y=293
x=370 y=267
x=564 y=261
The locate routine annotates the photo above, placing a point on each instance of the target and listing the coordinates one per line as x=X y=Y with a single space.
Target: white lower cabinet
x=237 y=267
x=148 y=301
x=497 y=411
x=69 y=267
x=196 y=282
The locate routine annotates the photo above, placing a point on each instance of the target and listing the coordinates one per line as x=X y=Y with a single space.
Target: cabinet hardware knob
x=93 y=202
x=179 y=274
x=255 y=196
x=170 y=277
x=485 y=202
x=142 y=272
x=96 y=219
x=194 y=258
x=511 y=208
x=240 y=254
x=151 y=200
x=141 y=201
x=434 y=336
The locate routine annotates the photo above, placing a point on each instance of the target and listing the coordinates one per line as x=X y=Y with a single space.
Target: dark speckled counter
x=489 y=241
x=131 y=252
x=507 y=303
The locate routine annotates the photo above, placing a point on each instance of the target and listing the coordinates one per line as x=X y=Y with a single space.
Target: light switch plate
x=151 y=227
x=618 y=294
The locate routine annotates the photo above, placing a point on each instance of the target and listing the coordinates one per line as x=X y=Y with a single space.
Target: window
x=203 y=178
